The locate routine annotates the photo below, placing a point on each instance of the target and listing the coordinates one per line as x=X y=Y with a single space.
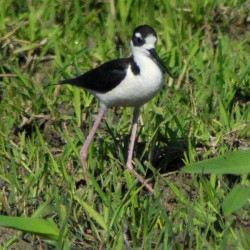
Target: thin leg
x=129 y=163
x=84 y=150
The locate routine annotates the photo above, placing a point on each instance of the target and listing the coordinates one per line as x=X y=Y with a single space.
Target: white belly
x=134 y=90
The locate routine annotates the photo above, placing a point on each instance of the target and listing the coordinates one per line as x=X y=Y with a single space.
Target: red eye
x=139 y=40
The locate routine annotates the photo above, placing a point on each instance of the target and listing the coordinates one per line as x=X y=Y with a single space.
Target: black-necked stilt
x=127 y=82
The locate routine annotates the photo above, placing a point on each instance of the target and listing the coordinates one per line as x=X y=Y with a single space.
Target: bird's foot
x=130 y=168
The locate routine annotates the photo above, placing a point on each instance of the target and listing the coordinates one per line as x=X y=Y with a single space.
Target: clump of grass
x=202 y=113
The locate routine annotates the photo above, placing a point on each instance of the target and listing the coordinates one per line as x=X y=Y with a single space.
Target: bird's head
x=143 y=43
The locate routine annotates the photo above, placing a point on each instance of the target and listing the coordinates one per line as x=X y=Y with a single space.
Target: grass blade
x=236 y=199
x=46 y=228
x=231 y=163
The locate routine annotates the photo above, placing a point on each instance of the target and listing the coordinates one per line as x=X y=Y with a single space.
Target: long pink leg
x=129 y=163
x=85 y=147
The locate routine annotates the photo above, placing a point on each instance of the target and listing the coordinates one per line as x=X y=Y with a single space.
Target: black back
x=105 y=77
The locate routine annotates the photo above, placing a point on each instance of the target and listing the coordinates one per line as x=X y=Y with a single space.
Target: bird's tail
x=74 y=81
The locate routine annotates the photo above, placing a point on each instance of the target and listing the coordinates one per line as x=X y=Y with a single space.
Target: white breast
x=135 y=90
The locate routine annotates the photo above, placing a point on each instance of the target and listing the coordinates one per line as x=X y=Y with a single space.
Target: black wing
x=103 y=78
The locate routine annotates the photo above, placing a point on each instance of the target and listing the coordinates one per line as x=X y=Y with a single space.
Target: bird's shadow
x=164 y=154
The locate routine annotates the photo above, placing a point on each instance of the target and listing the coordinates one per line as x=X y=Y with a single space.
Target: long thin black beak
x=159 y=62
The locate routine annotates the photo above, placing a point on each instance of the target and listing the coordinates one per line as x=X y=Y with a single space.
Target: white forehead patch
x=138 y=35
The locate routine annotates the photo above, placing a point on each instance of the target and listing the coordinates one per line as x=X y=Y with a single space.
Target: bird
x=125 y=82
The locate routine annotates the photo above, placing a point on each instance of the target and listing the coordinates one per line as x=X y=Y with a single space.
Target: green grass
x=202 y=113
